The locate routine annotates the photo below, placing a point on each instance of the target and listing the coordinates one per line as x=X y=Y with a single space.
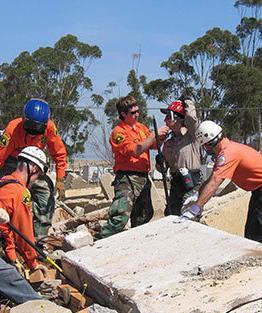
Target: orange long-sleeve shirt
x=15 y=198
x=124 y=140
x=15 y=138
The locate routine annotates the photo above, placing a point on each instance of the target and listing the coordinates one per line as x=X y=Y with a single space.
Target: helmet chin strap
x=29 y=174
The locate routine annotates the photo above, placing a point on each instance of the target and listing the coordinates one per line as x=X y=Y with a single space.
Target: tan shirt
x=183 y=150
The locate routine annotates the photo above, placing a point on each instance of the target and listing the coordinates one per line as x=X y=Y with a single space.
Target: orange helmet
x=177 y=107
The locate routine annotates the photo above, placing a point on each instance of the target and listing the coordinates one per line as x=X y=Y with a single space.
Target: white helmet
x=207 y=131
x=35 y=155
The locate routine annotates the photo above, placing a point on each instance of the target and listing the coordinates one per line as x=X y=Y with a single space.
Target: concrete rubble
x=39 y=306
x=168 y=267
x=158 y=267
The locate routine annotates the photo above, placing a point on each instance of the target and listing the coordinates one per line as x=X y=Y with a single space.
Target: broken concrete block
x=164 y=267
x=87 y=192
x=106 y=185
x=39 y=306
x=79 y=211
x=221 y=211
x=79 y=239
x=48 y=288
x=96 y=308
x=74 y=181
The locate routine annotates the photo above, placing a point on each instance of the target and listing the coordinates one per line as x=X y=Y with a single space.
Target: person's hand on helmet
x=60 y=187
x=193 y=213
x=187 y=103
x=19 y=267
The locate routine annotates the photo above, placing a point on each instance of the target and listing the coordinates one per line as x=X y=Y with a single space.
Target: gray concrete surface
x=39 y=306
x=168 y=267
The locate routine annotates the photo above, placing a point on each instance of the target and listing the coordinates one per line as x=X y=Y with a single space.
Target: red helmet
x=177 y=107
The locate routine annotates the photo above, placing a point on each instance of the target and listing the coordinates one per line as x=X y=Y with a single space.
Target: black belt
x=132 y=173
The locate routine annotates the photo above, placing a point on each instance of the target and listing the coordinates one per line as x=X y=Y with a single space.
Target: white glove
x=191 y=214
x=192 y=198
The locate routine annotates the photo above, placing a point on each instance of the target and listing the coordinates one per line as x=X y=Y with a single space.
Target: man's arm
x=150 y=142
x=206 y=192
x=209 y=189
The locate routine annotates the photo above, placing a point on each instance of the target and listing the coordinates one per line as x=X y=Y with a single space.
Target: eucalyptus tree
x=136 y=85
x=190 y=69
x=59 y=75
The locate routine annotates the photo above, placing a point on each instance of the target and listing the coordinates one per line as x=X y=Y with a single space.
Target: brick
x=77 y=300
x=36 y=277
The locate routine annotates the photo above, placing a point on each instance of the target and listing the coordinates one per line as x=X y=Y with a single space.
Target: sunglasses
x=134 y=112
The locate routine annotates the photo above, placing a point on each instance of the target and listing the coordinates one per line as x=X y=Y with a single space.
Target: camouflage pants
x=42 y=192
x=132 y=200
x=178 y=194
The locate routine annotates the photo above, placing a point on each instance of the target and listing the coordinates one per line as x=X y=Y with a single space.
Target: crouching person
x=15 y=198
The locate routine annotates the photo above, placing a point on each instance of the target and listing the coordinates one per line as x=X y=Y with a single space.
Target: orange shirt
x=124 y=140
x=15 y=198
x=239 y=163
x=15 y=138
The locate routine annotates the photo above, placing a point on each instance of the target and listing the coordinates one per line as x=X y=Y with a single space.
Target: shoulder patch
x=220 y=161
x=118 y=138
x=43 y=140
x=26 y=198
x=4 y=140
x=55 y=131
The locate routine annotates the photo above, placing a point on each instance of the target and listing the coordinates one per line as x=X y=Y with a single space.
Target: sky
x=120 y=28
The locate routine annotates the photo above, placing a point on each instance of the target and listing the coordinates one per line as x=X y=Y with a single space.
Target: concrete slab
x=228 y=212
x=106 y=185
x=168 y=267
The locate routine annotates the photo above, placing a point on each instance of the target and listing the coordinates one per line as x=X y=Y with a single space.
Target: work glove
x=19 y=267
x=43 y=268
x=191 y=214
x=60 y=188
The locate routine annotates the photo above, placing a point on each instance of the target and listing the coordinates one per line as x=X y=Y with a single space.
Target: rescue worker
x=237 y=162
x=15 y=198
x=130 y=141
x=12 y=285
x=36 y=129
x=181 y=153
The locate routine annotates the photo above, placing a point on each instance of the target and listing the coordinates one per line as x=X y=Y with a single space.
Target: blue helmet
x=37 y=110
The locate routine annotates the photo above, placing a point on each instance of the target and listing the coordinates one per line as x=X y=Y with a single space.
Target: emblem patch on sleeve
x=118 y=138
x=26 y=198
x=55 y=131
x=4 y=140
x=220 y=161
x=43 y=140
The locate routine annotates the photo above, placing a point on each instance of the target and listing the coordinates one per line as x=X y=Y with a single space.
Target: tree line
x=221 y=71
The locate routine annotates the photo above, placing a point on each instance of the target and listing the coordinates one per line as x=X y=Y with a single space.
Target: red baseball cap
x=177 y=107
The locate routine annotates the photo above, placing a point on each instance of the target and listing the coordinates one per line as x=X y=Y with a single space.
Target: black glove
x=160 y=159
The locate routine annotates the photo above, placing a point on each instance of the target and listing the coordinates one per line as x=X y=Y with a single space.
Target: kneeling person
x=15 y=198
